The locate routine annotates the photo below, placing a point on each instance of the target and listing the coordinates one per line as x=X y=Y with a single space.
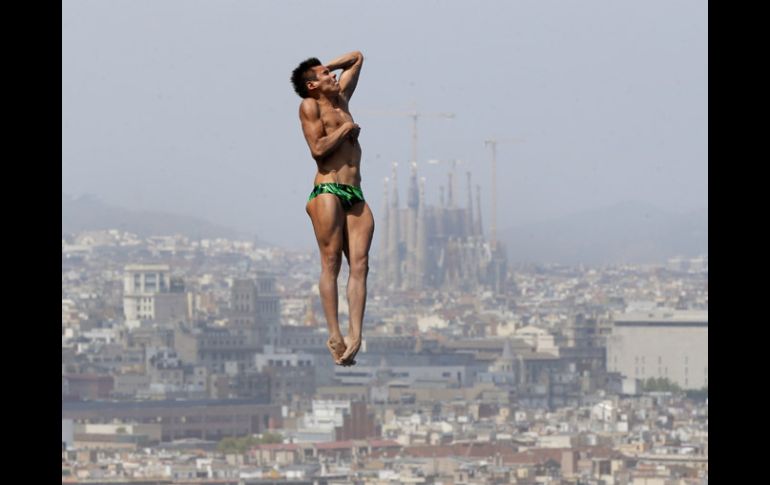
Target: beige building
x=661 y=343
x=255 y=305
x=149 y=293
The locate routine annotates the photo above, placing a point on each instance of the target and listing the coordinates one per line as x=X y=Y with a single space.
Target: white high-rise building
x=255 y=305
x=661 y=343
x=149 y=293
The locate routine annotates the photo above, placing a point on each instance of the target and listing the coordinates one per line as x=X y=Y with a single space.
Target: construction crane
x=493 y=143
x=415 y=115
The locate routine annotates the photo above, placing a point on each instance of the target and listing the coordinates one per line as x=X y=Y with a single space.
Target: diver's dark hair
x=302 y=74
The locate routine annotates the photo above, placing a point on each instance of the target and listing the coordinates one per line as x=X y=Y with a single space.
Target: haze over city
x=186 y=107
x=557 y=337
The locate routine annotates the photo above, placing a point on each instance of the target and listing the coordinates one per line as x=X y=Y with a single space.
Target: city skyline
x=195 y=115
x=537 y=293
x=554 y=373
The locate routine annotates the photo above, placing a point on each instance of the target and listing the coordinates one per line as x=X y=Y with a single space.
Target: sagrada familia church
x=427 y=247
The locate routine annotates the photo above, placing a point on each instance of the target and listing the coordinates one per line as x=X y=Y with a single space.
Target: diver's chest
x=333 y=118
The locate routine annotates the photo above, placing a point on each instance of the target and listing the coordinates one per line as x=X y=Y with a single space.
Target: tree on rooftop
x=660 y=384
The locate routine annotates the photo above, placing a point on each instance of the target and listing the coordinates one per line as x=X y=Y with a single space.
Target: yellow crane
x=415 y=115
x=493 y=142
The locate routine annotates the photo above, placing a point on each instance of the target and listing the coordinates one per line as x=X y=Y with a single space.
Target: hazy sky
x=186 y=107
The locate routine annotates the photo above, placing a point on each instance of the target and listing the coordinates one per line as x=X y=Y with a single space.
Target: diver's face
x=326 y=81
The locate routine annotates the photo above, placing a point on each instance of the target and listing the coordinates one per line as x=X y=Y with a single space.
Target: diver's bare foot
x=353 y=345
x=337 y=348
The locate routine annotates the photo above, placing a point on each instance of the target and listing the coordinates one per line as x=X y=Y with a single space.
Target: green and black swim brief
x=348 y=194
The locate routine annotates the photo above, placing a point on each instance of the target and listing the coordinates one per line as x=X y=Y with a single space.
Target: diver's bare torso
x=343 y=164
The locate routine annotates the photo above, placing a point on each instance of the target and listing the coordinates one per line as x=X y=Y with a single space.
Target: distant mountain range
x=89 y=213
x=630 y=232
